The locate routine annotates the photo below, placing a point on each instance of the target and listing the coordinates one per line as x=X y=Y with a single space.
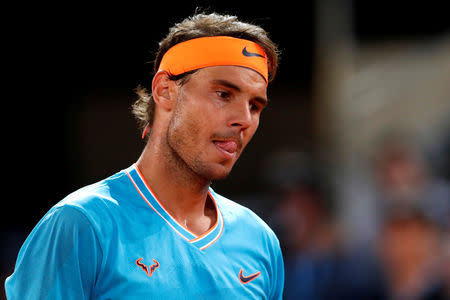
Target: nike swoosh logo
x=247 y=279
x=250 y=54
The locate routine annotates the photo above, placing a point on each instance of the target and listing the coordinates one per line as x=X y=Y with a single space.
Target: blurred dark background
x=72 y=67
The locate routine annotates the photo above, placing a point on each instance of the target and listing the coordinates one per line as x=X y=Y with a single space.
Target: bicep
x=60 y=259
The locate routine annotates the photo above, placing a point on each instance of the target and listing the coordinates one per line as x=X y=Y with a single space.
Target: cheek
x=186 y=127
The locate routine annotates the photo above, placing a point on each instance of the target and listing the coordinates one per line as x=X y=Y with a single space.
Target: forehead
x=244 y=78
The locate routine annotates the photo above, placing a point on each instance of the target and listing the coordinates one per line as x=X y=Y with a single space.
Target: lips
x=229 y=147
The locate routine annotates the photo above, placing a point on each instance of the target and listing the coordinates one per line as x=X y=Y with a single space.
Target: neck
x=183 y=193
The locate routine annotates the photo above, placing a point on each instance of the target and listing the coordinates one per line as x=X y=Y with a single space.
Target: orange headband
x=214 y=51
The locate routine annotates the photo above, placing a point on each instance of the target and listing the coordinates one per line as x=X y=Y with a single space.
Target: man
x=156 y=230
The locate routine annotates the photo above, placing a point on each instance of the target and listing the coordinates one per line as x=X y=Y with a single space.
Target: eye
x=255 y=106
x=223 y=94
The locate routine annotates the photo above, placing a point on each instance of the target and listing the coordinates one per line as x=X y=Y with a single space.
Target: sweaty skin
x=199 y=131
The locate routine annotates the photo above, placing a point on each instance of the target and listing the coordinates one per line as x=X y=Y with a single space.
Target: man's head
x=207 y=115
x=204 y=25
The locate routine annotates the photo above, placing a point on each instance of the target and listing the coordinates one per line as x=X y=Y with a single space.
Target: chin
x=221 y=176
x=214 y=173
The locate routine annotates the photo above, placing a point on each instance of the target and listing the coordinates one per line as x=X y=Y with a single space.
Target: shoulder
x=97 y=203
x=100 y=194
x=243 y=218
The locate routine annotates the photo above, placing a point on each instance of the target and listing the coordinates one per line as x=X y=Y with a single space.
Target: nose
x=241 y=116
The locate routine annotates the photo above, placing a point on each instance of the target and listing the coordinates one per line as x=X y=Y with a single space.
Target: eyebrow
x=226 y=83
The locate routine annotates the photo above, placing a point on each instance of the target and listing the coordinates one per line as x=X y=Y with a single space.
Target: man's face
x=216 y=114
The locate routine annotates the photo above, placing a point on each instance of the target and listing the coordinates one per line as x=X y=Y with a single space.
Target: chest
x=162 y=265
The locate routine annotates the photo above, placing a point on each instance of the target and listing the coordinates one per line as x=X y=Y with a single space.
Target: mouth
x=228 y=148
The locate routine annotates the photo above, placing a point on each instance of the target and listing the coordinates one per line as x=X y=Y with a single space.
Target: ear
x=164 y=90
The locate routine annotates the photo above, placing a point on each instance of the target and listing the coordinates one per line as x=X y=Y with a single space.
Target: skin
x=199 y=130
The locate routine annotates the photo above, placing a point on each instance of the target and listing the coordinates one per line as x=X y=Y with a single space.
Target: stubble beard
x=184 y=163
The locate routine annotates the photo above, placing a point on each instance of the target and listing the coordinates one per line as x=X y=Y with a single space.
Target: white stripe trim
x=145 y=198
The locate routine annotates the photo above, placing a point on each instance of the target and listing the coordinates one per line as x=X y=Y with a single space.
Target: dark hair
x=202 y=25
